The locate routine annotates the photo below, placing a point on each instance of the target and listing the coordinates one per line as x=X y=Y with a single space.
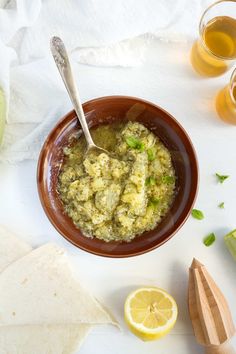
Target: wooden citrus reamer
x=209 y=312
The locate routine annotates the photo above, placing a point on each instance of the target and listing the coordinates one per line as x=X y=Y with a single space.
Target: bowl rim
x=101 y=253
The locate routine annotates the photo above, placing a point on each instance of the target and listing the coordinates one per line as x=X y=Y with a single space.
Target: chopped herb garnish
x=154 y=201
x=221 y=178
x=150 y=181
x=134 y=143
x=168 y=179
x=209 y=239
x=221 y=205
x=197 y=214
x=151 y=154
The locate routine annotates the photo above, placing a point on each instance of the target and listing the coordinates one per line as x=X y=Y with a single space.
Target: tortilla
x=47 y=292
x=61 y=339
x=32 y=278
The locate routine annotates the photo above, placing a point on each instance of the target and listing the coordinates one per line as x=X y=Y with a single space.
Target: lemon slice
x=150 y=313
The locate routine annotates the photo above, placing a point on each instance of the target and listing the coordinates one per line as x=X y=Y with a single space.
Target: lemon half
x=150 y=313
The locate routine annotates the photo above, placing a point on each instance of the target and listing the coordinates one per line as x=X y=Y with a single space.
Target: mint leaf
x=168 y=179
x=150 y=181
x=209 y=239
x=151 y=154
x=221 y=178
x=197 y=214
x=221 y=205
x=134 y=143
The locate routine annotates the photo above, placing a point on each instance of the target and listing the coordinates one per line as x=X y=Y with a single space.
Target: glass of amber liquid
x=226 y=101
x=213 y=53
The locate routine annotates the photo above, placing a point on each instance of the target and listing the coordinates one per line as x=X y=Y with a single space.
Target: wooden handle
x=224 y=348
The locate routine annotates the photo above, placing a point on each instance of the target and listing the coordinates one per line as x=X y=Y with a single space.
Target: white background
x=166 y=78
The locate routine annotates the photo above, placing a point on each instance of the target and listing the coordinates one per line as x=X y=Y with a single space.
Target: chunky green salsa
x=116 y=199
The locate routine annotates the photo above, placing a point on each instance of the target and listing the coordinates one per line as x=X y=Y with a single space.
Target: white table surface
x=167 y=79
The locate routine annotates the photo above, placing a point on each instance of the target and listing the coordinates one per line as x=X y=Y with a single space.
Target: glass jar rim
x=232 y=84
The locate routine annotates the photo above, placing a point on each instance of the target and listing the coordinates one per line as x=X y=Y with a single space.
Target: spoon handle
x=61 y=58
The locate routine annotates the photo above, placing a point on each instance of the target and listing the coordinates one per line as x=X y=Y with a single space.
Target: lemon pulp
x=150 y=313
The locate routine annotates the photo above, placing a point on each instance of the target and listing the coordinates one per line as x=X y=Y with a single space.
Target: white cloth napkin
x=98 y=33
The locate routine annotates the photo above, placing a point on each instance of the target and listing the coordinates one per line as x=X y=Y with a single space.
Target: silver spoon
x=61 y=58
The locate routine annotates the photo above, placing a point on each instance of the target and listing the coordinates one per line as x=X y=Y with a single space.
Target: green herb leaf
x=221 y=205
x=134 y=143
x=197 y=214
x=150 y=181
x=151 y=154
x=168 y=179
x=221 y=178
x=154 y=201
x=209 y=239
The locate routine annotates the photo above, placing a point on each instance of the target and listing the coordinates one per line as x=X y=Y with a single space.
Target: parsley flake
x=151 y=154
x=150 y=181
x=134 y=143
x=197 y=214
x=209 y=239
x=168 y=179
x=221 y=178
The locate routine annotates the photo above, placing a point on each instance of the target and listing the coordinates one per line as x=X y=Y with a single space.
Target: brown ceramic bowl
x=106 y=110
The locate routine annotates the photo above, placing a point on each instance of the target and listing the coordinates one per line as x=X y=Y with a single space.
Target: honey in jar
x=226 y=101
x=211 y=54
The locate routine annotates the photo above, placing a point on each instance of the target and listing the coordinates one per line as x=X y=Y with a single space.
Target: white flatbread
x=42 y=339
x=38 y=338
x=40 y=288
x=11 y=248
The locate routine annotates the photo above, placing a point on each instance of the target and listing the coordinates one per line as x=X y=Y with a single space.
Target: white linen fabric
x=98 y=33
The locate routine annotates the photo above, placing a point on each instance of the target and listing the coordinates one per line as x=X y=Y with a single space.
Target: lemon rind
x=140 y=327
